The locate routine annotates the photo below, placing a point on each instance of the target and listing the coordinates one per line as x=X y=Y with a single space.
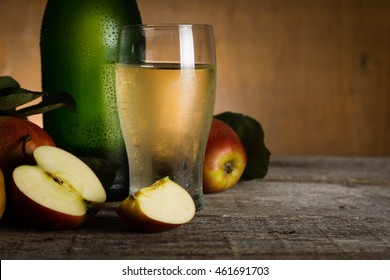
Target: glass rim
x=167 y=25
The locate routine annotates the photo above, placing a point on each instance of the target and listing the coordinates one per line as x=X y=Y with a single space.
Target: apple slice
x=60 y=192
x=163 y=205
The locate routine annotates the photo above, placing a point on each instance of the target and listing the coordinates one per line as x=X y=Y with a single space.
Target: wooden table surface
x=306 y=208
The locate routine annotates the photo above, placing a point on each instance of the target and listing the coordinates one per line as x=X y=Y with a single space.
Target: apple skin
x=38 y=215
x=2 y=195
x=13 y=131
x=225 y=158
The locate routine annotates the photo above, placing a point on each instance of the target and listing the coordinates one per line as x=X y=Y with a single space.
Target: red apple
x=2 y=195
x=18 y=139
x=60 y=192
x=225 y=158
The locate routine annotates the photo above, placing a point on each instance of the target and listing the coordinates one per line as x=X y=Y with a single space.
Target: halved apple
x=163 y=205
x=60 y=192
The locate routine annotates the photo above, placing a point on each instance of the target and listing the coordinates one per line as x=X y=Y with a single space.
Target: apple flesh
x=19 y=138
x=2 y=195
x=60 y=192
x=225 y=158
x=162 y=206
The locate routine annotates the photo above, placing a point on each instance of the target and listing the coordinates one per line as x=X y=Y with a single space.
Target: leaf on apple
x=13 y=96
x=7 y=81
x=51 y=102
x=251 y=134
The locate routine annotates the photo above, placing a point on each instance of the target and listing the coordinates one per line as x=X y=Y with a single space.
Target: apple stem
x=228 y=167
x=26 y=139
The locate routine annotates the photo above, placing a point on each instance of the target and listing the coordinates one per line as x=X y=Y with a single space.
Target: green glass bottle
x=78 y=48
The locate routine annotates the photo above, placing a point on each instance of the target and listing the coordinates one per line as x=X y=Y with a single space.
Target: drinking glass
x=165 y=83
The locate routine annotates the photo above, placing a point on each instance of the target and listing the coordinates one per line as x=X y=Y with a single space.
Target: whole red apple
x=225 y=158
x=18 y=139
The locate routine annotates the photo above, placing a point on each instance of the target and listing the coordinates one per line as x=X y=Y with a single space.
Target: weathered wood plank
x=310 y=208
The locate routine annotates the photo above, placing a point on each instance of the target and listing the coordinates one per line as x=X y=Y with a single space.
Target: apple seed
x=56 y=179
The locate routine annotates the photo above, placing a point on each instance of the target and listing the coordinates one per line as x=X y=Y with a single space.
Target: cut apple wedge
x=161 y=206
x=60 y=192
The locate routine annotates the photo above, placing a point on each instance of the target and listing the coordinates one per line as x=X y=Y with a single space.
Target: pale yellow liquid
x=166 y=115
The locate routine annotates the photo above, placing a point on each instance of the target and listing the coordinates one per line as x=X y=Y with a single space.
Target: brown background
x=315 y=73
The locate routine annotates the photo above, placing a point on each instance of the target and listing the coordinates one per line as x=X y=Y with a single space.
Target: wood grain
x=306 y=208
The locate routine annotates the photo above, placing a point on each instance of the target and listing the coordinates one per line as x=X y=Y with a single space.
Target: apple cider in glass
x=165 y=113
x=165 y=86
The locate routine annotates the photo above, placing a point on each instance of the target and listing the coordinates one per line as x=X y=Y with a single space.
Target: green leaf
x=51 y=102
x=12 y=97
x=7 y=81
x=251 y=134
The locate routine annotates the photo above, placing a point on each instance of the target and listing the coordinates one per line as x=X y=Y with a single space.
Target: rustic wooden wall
x=316 y=74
